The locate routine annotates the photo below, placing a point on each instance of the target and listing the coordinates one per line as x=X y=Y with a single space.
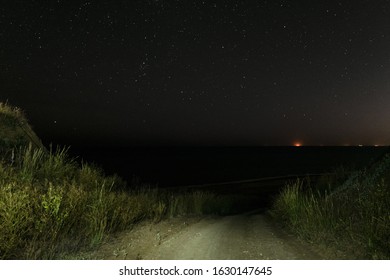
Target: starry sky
x=215 y=73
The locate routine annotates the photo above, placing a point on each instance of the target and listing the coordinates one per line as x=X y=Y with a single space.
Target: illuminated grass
x=352 y=217
x=50 y=206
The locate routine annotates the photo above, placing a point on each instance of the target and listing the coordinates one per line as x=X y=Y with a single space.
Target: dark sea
x=181 y=166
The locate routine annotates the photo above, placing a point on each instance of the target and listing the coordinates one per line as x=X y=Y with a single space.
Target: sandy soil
x=247 y=236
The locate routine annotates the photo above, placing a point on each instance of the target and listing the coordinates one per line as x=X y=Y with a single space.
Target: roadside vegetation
x=52 y=206
x=347 y=211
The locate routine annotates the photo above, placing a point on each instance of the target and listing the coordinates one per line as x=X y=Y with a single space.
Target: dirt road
x=231 y=237
x=246 y=236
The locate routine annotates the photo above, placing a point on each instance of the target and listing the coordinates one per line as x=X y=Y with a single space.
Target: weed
x=352 y=216
x=51 y=207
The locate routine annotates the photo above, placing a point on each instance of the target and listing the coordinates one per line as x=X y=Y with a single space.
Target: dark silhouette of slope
x=15 y=133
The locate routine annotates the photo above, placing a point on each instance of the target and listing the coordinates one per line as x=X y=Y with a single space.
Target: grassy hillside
x=348 y=212
x=51 y=206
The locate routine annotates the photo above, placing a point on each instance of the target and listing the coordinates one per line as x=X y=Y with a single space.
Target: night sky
x=215 y=73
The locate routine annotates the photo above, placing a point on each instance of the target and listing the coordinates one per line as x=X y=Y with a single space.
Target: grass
x=350 y=215
x=51 y=207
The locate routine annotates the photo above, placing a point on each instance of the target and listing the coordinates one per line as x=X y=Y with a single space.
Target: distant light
x=360 y=145
x=297 y=144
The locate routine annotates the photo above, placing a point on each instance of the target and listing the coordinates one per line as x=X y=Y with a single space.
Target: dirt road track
x=246 y=236
x=249 y=236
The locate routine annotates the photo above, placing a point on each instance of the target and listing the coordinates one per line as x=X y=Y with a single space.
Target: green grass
x=50 y=206
x=350 y=215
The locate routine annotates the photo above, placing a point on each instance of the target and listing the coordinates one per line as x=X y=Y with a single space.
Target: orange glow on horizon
x=297 y=144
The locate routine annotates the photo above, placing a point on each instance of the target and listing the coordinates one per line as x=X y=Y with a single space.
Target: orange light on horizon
x=297 y=144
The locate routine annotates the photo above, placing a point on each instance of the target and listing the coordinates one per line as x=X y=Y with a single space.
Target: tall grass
x=352 y=217
x=50 y=206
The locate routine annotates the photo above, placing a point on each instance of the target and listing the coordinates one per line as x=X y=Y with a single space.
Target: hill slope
x=15 y=130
